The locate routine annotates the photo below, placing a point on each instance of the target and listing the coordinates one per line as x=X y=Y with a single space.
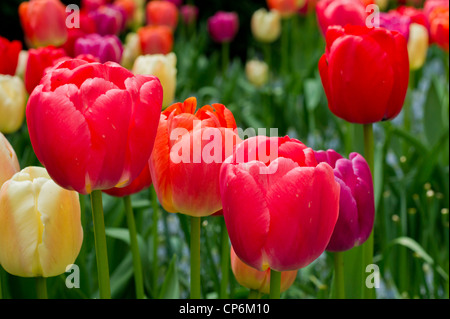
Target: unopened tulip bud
x=9 y=165
x=164 y=68
x=40 y=226
x=266 y=25
x=417 y=45
x=12 y=103
x=257 y=72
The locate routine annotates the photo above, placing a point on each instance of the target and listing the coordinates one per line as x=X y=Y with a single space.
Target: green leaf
x=433 y=122
x=171 y=287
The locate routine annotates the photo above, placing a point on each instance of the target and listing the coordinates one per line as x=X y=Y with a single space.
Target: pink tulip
x=105 y=48
x=223 y=26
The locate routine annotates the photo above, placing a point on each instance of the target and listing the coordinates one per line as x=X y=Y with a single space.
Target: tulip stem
x=339 y=283
x=137 y=265
x=41 y=288
x=155 y=217
x=225 y=261
x=367 y=255
x=195 y=257
x=100 y=245
x=225 y=58
x=275 y=284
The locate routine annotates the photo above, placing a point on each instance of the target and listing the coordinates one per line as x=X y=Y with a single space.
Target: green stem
x=339 y=283
x=225 y=261
x=137 y=264
x=100 y=245
x=368 y=293
x=41 y=288
x=1 y=289
x=155 y=217
x=285 y=37
x=275 y=284
x=268 y=58
x=225 y=58
x=195 y=258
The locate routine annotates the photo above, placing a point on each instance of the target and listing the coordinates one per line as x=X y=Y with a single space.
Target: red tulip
x=43 y=22
x=162 y=13
x=439 y=26
x=143 y=181
x=9 y=55
x=280 y=208
x=223 y=26
x=38 y=60
x=93 y=125
x=189 y=150
x=285 y=7
x=155 y=39
x=254 y=279
x=371 y=85
x=341 y=13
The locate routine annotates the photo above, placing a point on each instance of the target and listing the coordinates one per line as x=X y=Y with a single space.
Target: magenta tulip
x=223 y=26
x=105 y=48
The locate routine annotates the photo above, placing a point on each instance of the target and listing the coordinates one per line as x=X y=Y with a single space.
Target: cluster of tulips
x=101 y=118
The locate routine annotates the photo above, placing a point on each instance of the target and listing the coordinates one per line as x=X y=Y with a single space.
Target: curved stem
x=195 y=258
x=100 y=245
x=41 y=288
x=368 y=293
x=137 y=265
x=339 y=283
x=275 y=284
x=225 y=261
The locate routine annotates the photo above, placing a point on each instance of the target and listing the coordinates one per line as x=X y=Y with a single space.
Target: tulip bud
x=164 y=68
x=223 y=26
x=9 y=53
x=105 y=48
x=9 y=165
x=162 y=13
x=12 y=103
x=40 y=225
x=155 y=39
x=189 y=14
x=257 y=72
x=417 y=45
x=109 y=19
x=254 y=279
x=286 y=8
x=266 y=25
x=43 y=22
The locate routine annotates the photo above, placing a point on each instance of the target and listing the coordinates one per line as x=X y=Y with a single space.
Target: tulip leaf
x=433 y=122
x=171 y=287
x=313 y=93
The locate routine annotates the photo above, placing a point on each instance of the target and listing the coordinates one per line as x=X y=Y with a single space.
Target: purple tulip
x=105 y=48
x=394 y=21
x=109 y=19
x=356 y=203
x=189 y=14
x=223 y=26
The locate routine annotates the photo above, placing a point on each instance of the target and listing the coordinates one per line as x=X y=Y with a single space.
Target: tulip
x=223 y=26
x=416 y=15
x=143 y=181
x=38 y=60
x=109 y=139
x=189 y=14
x=341 y=13
x=395 y=21
x=131 y=50
x=257 y=72
x=90 y=5
x=439 y=26
x=164 y=68
x=266 y=25
x=43 y=22
x=9 y=53
x=430 y=5
x=372 y=85
x=417 y=45
x=356 y=200
x=286 y=8
x=254 y=279
x=87 y=26
x=155 y=39
x=13 y=98
x=22 y=64
x=9 y=164
x=162 y=13
x=280 y=208
x=109 y=19
x=189 y=182
x=105 y=48
x=40 y=225
x=177 y=3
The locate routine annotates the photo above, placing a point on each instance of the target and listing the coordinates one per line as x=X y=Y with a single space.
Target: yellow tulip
x=40 y=227
x=163 y=67
x=417 y=45
x=12 y=103
x=266 y=25
x=131 y=50
x=9 y=165
x=257 y=72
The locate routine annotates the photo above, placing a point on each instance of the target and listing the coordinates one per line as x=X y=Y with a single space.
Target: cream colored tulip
x=163 y=67
x=266 y=25
x=12 y=103
x=417 y=45
x=257 y=72
x=22 y=64
x=131 y=50
x=9 y=164
x=40 y=226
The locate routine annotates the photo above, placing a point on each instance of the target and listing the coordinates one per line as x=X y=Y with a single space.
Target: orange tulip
x=285 y=7
x=155 y=39
x=162 y=13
